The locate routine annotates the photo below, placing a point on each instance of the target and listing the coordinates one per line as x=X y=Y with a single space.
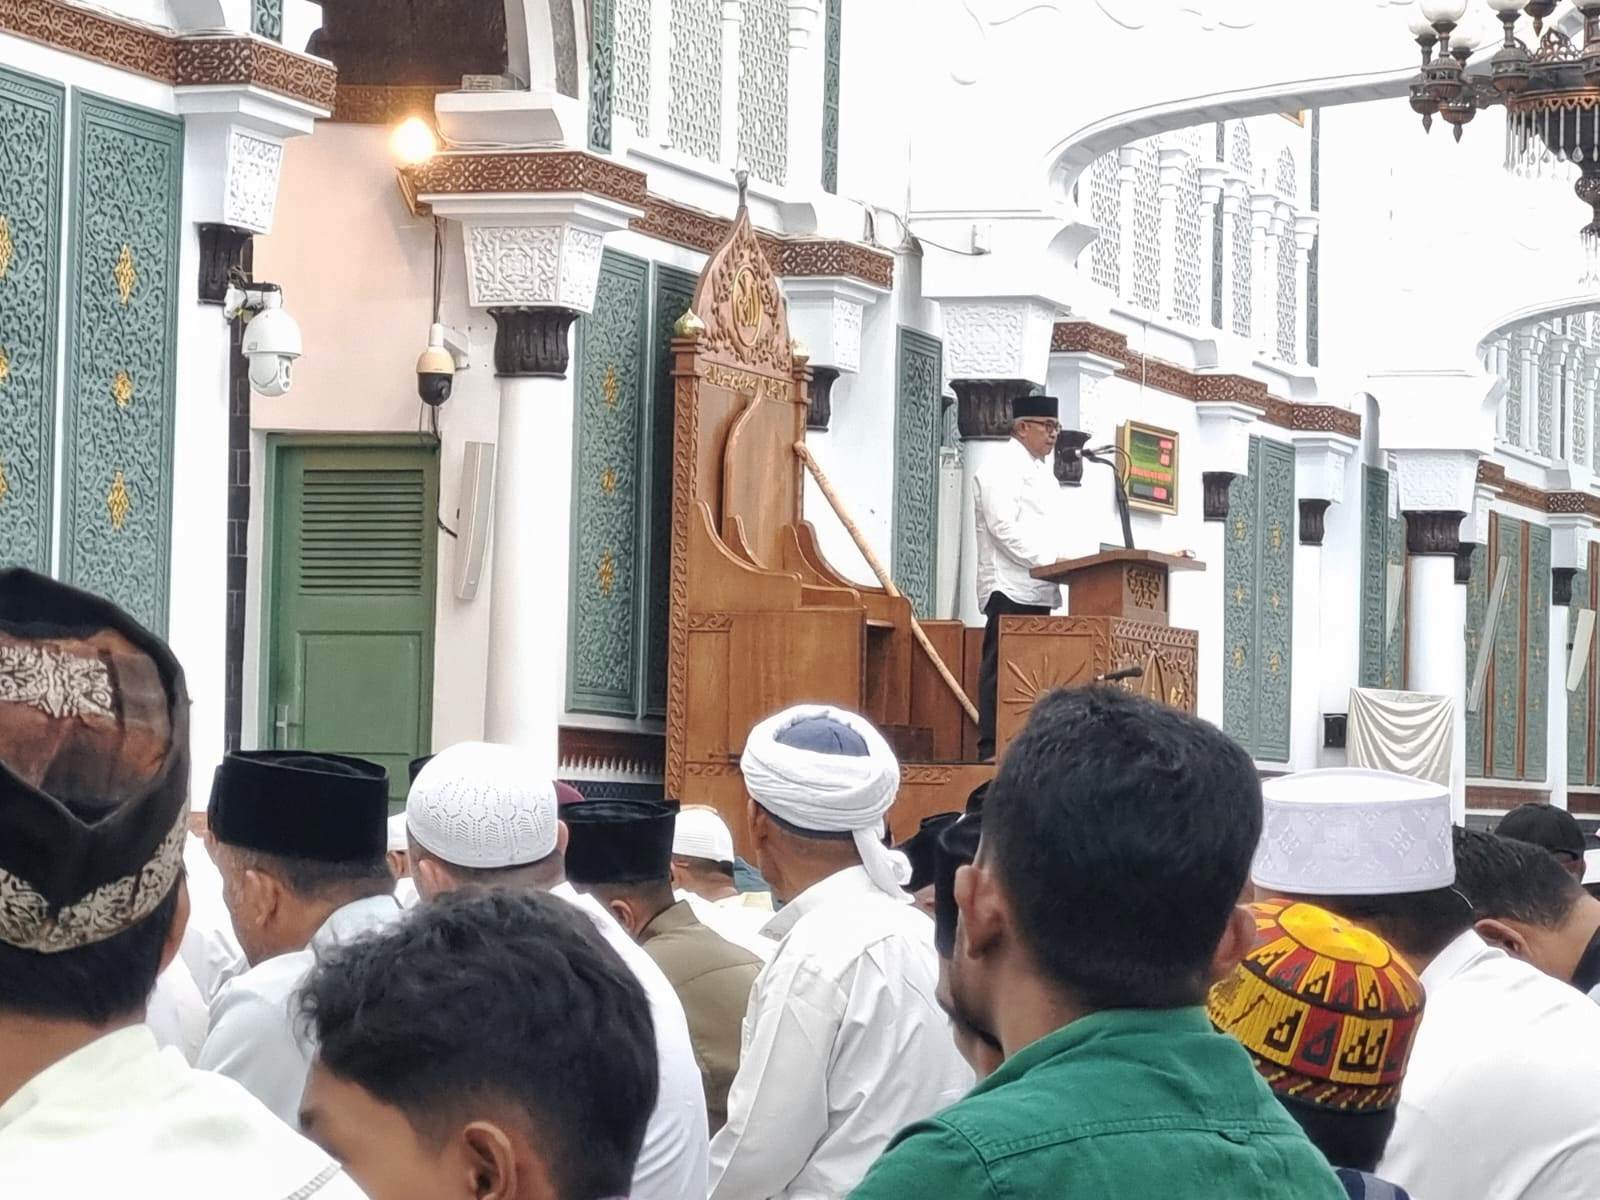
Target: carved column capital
x=983 y=406
x=1433 y=532
x=1464 y=562
x=1561 y=585
x=1217 y=484
x=532 y=342
x=819 y=407
x=222 y=248
x=1313 y=515
x=1069 y=457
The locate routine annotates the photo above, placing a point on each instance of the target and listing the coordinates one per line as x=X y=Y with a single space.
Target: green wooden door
x=350 y=602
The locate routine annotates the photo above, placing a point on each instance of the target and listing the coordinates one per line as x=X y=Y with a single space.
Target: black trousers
x=1000 y=605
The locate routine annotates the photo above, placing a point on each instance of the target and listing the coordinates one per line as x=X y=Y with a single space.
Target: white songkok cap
x=829 y=770
x=1349 y=832
x=484 y=806
x=397 y=833
x=700 y=832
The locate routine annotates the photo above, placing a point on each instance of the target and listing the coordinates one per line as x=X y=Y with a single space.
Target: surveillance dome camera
x=436 y=375
x=271 y=340
x=436 y=368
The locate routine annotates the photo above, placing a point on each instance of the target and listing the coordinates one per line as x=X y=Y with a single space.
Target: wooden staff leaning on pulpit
x=1016 y=506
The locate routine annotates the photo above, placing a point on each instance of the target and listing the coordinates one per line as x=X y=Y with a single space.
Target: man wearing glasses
x=1017 y=508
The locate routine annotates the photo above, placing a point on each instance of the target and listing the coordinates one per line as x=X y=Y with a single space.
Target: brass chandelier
x=1551 y=92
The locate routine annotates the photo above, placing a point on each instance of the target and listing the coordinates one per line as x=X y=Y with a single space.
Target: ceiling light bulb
x=1507 y=6
x=413 y=142
x=1444 y=11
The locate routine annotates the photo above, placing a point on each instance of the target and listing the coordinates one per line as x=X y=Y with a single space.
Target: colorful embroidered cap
x=1328 y=1010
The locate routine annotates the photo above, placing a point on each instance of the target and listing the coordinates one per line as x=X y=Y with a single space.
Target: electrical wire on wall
x=432 y=411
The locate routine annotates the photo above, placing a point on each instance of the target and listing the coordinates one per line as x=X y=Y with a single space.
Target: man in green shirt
x=1116 y=844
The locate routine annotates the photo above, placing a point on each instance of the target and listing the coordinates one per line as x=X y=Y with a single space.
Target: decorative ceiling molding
x=160 y=54
x=1512 y=491
x=379 y=104
x=1084 y=337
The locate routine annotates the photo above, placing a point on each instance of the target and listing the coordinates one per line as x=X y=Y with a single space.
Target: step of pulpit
x=911 y=743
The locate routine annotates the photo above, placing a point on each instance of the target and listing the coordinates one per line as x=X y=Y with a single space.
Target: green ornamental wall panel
x=1394 y=649
x=1537 y=656
x=1239 y=577
x=674 y=292
x=1508 y=675
x=32 y=113
x=266 y=18
x=607 y=493
x=1578 y=749
x=919 y=379
x=1477 y=613
x=1374 y=573
x=126 y=181
x=1275 y=592
x=602 y=81
x=832 y=41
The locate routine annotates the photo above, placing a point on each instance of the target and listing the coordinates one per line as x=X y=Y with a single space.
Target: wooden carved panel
x=1041 y=654
x=1169 y=657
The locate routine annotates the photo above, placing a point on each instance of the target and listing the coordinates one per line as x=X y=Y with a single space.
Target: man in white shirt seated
x=299 y=839
x=490 y=1045
x=1016 y=506
x=483 y=815
x=1500 y=1101
x=94 y=778
x=844 y=1043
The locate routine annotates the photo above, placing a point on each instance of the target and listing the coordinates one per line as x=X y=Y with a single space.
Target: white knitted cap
x=700 y=832
x=397 y=833
x=483 y=805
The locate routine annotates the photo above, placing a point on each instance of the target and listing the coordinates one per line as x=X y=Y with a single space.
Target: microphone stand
x=1099 y=456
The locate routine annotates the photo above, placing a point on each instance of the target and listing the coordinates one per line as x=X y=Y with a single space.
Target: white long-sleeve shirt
x=256 y=1033
x=1017 y=507
x=122 y=1118
x=1501 y=1099
x=672 y=1162
x=844 y=1045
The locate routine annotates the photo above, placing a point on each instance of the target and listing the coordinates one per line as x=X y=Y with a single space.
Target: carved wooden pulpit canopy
x=759 y=619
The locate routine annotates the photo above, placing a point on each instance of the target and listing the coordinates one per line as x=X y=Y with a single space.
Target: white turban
x=830 y=793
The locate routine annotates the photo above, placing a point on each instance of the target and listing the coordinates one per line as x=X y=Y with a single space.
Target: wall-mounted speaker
x=472 y=516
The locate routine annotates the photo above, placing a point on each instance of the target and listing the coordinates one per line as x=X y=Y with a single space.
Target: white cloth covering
x=122 y=1117
x=209 y=949
x=735 y=919
x=1500 y=1100
x=256 y=1031
x=830 y=793
x=1018 y=509
x=397 y=833
x=843 y=1046
x=1407 y=733
x=485 y=806
x=672 y=1162
x=177 y=1013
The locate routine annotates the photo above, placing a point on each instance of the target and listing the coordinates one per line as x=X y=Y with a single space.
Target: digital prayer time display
x=1152 y=467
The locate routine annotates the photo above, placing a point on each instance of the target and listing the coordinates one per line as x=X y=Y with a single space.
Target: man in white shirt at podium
x=1017 y=502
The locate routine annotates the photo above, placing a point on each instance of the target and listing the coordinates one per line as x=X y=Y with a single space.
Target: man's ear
x=431 y=876
x=760 y=828
x=626 y=917
x=985 y=915
x=1508 y=937
x=1237 y=938
x=500 y=1169
x=562 y=837
x=262 y=896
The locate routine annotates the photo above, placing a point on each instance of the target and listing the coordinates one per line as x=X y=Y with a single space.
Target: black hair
x=1507 y=879
x=94 y=984
x=1418 y=924
x=1355 y=1140
x=482 y=996
x=316 y=879
x=1122 y=831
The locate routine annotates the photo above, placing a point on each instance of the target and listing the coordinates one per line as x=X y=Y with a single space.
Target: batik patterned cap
x=1328 y=1010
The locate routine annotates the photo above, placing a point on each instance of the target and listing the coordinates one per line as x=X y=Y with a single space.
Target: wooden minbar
x=1118 y=605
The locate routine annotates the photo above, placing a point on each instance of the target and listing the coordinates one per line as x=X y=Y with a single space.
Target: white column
x=1264 y=229
x=1171 y=174
x=1235 y=208
x=1436 y=618
x=1320 y=464
x=732 y=28
x=1556 y=706
x=526 y=690
x=1127 y=173
x=1305 y=237
x=805 y=95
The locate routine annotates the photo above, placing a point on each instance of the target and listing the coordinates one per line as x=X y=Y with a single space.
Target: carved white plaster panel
x=251 y=196
x=998 y=339
x=847 y=334
x=1319 y=467
x=1569 y=542
x=533 y=265
x=1437 y=480
x=1225 y=435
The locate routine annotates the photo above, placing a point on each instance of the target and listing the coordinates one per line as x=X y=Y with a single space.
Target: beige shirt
x=124 y=1118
